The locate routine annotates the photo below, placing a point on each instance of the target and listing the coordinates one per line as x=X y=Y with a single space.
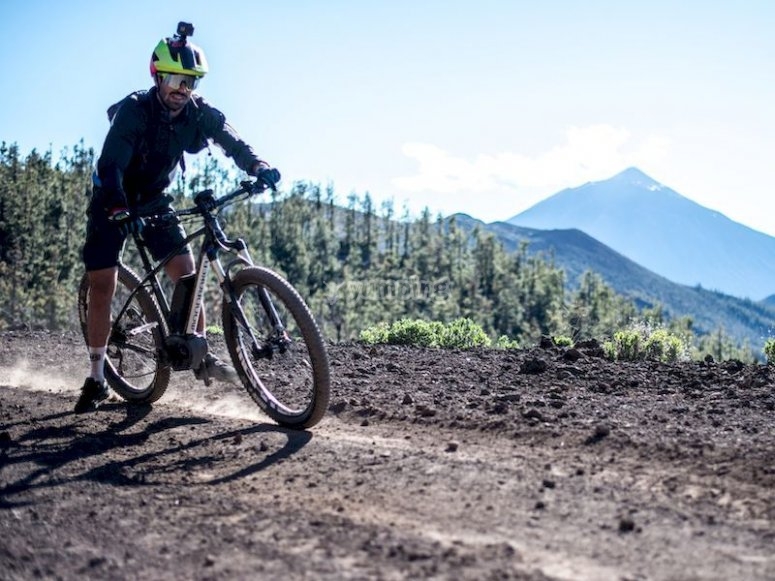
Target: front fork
x=279 y=338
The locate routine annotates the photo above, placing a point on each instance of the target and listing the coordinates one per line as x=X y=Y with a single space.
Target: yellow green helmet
x=179 y=56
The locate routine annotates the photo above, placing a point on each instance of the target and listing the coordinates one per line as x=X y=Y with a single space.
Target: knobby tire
x=292 y=384
x=132 y=366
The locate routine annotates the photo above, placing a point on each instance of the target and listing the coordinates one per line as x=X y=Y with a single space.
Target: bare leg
x=102 y=285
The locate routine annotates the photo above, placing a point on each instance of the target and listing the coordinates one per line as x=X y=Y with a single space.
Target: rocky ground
x=536 y=464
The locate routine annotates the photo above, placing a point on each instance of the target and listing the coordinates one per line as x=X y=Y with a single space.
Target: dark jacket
x=144 y=146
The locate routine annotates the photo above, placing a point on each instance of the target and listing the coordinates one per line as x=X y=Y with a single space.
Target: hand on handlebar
x=206 y=200
x=269 y=176
x=126 y=223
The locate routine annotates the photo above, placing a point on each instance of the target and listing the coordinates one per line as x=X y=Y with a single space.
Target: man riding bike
x=149 y=132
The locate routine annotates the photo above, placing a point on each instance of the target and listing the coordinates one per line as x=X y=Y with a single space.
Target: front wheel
x=132 y=365
x=283 y=366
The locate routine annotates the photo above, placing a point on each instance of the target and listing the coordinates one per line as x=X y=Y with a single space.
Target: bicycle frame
x=214 y=243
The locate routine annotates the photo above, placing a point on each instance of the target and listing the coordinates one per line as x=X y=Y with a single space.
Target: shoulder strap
x=144 y=98
x=139 y=96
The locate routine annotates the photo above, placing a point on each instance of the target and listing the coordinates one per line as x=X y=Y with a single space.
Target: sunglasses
x=179 y=82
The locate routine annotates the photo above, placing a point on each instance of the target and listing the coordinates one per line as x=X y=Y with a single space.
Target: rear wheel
x=132 y=365
x=285 y=369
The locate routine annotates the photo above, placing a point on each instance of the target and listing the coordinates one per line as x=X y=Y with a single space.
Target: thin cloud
x=588 y=154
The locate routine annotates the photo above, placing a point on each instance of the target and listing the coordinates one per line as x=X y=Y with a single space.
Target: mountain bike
x=273 y=340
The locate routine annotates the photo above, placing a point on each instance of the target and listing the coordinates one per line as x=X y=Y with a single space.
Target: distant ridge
x=664 y=232
x=576 y=252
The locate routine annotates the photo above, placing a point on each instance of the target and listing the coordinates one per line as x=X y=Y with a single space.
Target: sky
x=484 y=107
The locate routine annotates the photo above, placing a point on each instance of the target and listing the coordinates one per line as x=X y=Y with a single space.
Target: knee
x=180 y=266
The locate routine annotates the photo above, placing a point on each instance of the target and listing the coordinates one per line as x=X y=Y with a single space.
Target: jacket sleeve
x=123 y=137
x=226 y=137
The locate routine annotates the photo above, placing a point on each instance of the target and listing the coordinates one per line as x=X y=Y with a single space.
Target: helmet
x=178 y=55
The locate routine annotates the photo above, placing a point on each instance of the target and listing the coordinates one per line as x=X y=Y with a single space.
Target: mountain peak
x=656 y=227
x=634 y=176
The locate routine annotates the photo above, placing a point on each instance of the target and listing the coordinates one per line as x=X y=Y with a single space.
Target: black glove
x=127 y=224
x=206 y=200
x=269 y=176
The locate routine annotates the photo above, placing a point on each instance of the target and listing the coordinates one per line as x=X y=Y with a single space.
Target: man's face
x=175 y=90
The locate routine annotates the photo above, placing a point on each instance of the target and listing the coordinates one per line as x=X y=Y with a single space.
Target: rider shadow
x=134 y=414
x=52 y=448
x=189 y=457
x=296 y=440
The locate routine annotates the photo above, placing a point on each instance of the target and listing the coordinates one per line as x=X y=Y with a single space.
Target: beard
x=175 y=101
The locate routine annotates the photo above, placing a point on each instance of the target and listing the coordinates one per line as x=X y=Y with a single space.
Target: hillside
x=575 y=252
x=668 y=234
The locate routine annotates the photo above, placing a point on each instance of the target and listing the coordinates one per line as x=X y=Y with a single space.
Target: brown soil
x=536 y=464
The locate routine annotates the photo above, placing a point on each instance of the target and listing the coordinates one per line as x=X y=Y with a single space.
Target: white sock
x=97 y=360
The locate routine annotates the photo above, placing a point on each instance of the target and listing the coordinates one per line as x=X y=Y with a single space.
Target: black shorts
x=105 y=243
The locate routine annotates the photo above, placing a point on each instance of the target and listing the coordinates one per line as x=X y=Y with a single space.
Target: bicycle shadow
x=55 y=449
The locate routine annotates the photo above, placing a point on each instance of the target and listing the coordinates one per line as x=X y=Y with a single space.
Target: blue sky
x=484 y=107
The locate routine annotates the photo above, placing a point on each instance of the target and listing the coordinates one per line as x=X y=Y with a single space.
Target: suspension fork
x=243 y=256
x=279 y=338
x=224 y=281
x=270 y=310
x=260 y=348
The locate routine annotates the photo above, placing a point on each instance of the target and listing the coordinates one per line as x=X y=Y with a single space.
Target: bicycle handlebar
x=205 y=202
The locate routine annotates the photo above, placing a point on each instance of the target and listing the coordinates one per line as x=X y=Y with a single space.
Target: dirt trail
x=536 y=464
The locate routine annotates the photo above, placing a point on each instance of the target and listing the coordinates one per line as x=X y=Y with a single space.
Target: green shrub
x=413 y=332
x=769 y=351
x=641 y=341
x=609 y=348
x=504 y=342
x=637 y=342
x=375 y=335
x=663 y=346
x=463 y=334
x=627 y=345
